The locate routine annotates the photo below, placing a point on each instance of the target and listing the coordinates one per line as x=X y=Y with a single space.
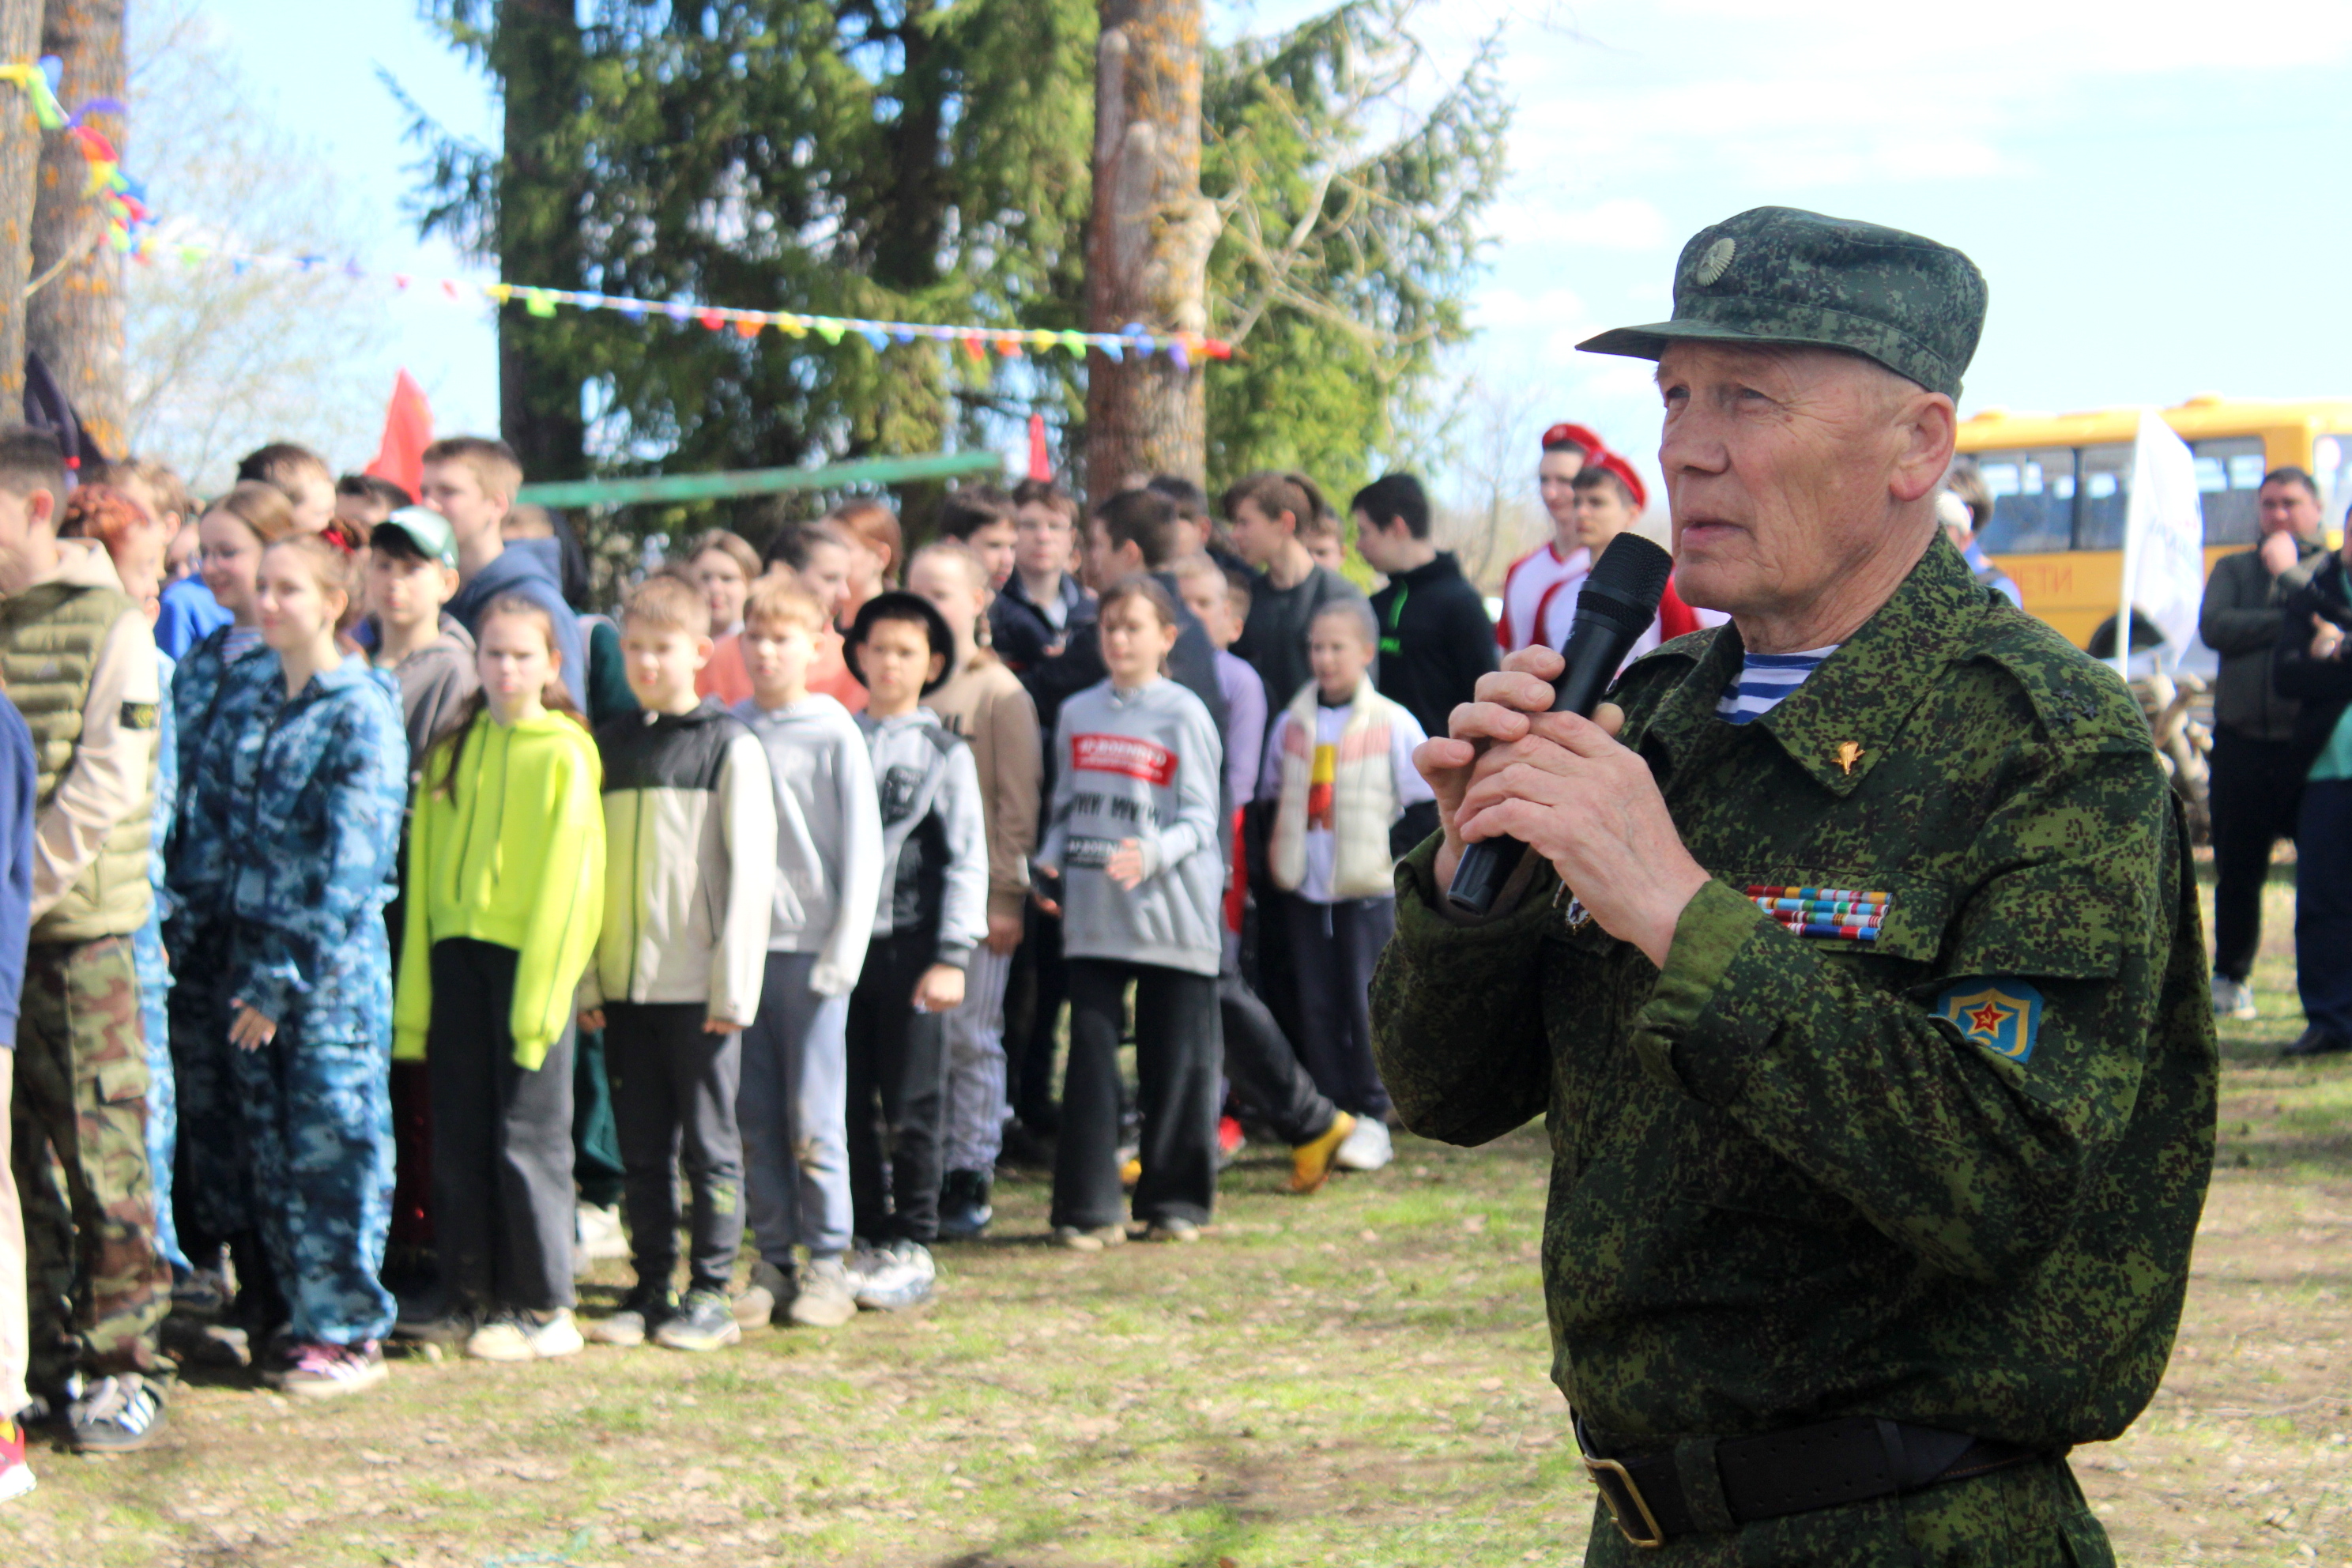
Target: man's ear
x=1927 y=426
x=41 y=507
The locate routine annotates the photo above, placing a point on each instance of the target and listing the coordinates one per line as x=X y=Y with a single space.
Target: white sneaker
x=766 y=1298
x=597 y=1232
x=1368 y=1148
x=526 y=1336
x=894 y=1277
x=2233 y=999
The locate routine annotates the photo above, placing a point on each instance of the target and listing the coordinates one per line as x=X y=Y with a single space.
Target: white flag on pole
x=2164 y=549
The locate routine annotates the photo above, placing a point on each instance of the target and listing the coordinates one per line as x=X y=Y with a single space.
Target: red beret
x=1560 y=436
x=1618 y=466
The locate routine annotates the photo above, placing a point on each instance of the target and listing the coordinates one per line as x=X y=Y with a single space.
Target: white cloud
x=1619 y=223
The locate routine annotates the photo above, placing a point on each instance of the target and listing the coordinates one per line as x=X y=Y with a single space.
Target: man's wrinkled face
x=1776 y=463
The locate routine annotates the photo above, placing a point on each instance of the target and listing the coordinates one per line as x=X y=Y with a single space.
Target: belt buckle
x=1597 y=1470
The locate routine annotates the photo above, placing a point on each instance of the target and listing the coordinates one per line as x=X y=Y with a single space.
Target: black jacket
x=1273 y=640
x=2322 y=686
x=2240 y=620
x=1018 y=630
x=1436 y=641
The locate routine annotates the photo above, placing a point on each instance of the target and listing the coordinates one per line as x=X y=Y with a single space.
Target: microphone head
x=1627 y=582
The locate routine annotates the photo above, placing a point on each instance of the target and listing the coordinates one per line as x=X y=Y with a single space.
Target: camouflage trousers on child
x=317 y=1127
x=96 y=1286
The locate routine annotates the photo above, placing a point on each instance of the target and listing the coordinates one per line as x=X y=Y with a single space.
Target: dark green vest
x=49 y=639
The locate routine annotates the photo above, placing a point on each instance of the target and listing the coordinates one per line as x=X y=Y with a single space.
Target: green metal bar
x=756 y=481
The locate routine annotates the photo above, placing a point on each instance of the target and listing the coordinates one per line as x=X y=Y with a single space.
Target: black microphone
x=1618 y=602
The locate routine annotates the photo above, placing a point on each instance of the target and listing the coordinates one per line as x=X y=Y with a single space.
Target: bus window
x=2032 y=501
x=2228 y=475
x=2331 y=465
x=2106 y=496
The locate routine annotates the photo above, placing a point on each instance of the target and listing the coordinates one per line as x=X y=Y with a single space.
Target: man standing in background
x=2256 y=787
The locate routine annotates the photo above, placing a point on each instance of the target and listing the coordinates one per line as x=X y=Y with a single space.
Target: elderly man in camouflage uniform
x=1855 y=969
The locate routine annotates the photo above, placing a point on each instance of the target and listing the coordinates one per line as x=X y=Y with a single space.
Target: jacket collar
x=81 y=563
x=1442 y=565
x=1843 y=720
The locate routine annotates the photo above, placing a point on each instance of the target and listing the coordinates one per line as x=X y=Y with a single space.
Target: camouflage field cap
x=1778 y=275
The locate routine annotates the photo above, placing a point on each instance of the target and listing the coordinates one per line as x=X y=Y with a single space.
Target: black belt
x=1711 y=1484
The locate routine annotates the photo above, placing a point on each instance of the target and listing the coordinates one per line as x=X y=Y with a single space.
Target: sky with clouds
x=2154 y=191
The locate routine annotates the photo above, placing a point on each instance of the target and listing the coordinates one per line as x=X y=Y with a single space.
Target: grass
x=1357 y=1378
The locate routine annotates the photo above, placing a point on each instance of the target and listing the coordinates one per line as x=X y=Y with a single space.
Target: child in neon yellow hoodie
x=506 y=879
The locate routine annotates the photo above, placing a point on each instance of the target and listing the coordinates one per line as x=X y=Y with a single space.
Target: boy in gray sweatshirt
x=1133 y=841
x=791 y=1105
x=931 y=912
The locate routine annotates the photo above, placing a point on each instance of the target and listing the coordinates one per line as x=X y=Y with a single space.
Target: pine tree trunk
x=20 y=155
x=1148 y=242
x=74 y=320
x=537 y=59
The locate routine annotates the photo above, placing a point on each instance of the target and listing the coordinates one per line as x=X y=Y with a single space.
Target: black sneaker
x=2316 y=1041
x=964 y=1212
x=117 y=1415
x=705 y=1320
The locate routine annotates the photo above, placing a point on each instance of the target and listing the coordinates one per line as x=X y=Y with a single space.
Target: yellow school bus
x=2060 y=483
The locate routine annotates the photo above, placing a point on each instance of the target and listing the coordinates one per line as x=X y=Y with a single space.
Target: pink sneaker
x=323 y=1371
x=15 y=1476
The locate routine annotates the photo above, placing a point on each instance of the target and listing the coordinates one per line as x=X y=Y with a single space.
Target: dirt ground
x=1357 y=1378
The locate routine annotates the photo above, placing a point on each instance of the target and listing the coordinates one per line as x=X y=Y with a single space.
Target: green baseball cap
x=1777 y=275
x=426 y=529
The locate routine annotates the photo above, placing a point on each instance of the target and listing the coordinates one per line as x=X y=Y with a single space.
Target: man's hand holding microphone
x=1521 y=763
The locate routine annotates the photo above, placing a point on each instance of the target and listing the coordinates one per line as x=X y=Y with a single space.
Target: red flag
x=1041 y=466
x=407 y=431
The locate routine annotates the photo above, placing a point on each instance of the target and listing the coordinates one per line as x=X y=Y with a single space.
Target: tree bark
x=20 y=154
x=1147 y=243
x=536 y=57
x=74 y=320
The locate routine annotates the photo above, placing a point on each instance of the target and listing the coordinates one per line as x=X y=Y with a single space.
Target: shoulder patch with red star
x=2001 y=1015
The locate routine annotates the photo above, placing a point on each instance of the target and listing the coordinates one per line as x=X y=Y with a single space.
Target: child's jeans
x=673 y=1087
x=1333 y=948
x=792 y=1110
x=897 y=1093
x=975 y=1051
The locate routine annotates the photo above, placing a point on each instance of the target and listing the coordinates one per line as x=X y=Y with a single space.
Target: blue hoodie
x=15 y=862
x=527 y=568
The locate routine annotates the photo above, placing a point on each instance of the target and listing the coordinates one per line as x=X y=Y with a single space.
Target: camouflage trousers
x=2029 y=1516
x=154 y=972
x=96 y=1287
x=213 y=1185
x=318 y=1126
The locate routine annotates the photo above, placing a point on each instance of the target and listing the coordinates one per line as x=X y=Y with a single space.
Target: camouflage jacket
x=305 y=799
x=210 y=700
x=1949 y=1175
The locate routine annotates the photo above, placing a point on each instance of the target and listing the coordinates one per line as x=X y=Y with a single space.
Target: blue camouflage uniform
x=210 y=693
x=307 y=797
x=153 y=968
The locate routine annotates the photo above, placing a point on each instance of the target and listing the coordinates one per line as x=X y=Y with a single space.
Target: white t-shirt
x=1330 y=724
x=1539 y=597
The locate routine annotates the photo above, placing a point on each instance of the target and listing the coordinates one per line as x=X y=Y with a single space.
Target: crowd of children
x=373 y=919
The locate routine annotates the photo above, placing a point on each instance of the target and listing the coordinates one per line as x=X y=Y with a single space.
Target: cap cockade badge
x=1715 y=262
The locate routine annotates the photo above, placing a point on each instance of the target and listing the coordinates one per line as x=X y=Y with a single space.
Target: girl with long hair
x=506 y=880
x=308 y=790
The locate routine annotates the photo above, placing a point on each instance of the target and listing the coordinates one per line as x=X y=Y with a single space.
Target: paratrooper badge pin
x=1848 y=754
x=2001 y=1015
